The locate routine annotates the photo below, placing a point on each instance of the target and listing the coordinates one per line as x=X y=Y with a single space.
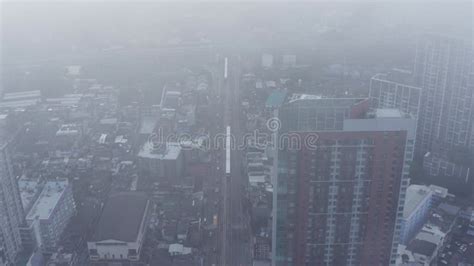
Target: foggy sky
x=41 y=28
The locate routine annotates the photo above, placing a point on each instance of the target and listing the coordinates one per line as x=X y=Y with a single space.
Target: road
x=235 y=248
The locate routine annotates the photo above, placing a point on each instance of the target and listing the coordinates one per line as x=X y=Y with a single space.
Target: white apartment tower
x=443 y=69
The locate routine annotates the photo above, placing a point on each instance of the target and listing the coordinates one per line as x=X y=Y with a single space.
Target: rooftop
x=449 y=209
x=74 y=70
x=196 y=143
x=297 y=97
x=171 y=99
x=307 y=99
x=12 y=96
x=382 y=124
x=18 y=103
x=28 y=190
x=48 y=199
x=401 y=76
x=147 y=125
x=422 y=247
x=431 y=233
x=166 y=151
x=121 y=217
x=109 y=121
x=439 y=191
x=179 y=249
x=68 y=129
x=275 y=99
x=388 y=113
x=414 y=197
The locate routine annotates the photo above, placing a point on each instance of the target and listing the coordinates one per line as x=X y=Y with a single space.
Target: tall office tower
x=11 y=210
x=395 y=90
x=443 y=69
x=341 y=202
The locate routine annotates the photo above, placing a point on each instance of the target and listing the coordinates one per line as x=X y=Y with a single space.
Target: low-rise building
x=21 y=99
x=262 y=248
x=418 y=252
x=61 y=258
x=66 y=136
x=423 y=249
x=120 y=233
x=418 y=203
x=163 y=161
x=171 y=99
x=256 y=173
x=195 y=151
x=146 y=128
x=50 y=214
x=179 y=250
x=256 y=170
x=29 y=191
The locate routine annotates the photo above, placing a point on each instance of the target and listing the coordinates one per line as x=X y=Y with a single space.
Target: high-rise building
x=443 y=69
x=11 y=210
x=395 y=90
x=340 y=203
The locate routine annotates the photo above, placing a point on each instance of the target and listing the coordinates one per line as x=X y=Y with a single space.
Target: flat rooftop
x=171 y=99
x=74 y=70
x=388 y=113
x=66 y=100
x=297 y=97
x=384 y=120
x=67 y=129
x=324 y=101
x=121 y=217
x=414 y=197
x=28 y=190
x=431 y=233
x=421 y=247
x=147 y=125
x=11 y=96
x=19 y=103
x=276 y=99
x=396 y=75
x=47 y=200
x=108 y=121
x=170 y=152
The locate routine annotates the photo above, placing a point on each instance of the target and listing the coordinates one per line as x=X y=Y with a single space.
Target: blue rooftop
x=275 y=99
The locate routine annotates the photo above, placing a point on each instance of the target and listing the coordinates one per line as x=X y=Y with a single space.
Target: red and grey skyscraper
x=340 y=203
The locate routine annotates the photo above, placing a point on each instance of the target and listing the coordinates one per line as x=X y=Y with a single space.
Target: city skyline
x=223 y=133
